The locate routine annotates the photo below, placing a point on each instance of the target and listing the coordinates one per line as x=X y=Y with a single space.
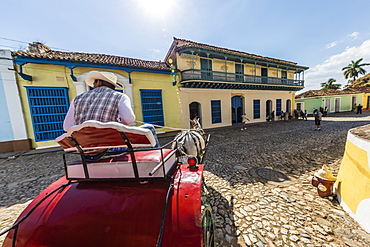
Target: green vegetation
x=330 y=84
x=353 y=70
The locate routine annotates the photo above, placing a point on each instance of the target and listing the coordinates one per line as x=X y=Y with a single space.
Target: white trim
x=365 y=145
x=12 y=97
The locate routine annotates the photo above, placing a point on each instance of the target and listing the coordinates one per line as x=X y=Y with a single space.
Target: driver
x=102 y=104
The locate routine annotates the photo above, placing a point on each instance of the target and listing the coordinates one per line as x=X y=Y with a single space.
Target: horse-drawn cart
x=142 y=197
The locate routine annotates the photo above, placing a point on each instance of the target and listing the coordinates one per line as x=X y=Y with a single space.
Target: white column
x=13 y=118
x=128 y=92
x=81 y=87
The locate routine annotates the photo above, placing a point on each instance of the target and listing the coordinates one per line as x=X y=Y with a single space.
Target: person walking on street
x=282 y=116
x=273 y=116
x=244 y=120
x=318 y=117
x=305 y=115
x=359 y=109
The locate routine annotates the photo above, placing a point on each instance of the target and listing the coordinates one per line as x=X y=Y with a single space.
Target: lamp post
x=173 y=71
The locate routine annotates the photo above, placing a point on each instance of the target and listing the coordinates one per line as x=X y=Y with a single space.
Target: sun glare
x=156 y=7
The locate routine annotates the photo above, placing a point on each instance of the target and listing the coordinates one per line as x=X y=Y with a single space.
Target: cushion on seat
x=121 y=166
x=94 y=134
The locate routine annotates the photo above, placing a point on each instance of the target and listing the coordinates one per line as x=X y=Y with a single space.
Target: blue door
x=48 y=106
x=151 y=103
x=237 y=109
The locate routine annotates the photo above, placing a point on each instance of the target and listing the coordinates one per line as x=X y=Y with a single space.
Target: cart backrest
x=94 y=134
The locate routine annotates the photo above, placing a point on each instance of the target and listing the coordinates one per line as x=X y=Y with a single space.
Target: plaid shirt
x=100 y=104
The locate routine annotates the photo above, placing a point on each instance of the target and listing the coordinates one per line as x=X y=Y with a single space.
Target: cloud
x=332 y=44
x=353 y=35
x=348 y=37
x=332 y=67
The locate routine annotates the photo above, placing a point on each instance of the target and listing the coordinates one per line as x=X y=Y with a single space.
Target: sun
x=156 y=8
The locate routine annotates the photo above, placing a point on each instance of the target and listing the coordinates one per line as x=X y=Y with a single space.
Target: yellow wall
x=365 y=100
x=354 y=172
x=43 y=76
x=46 y=75
x=170 y=98
x=184 y=62
x=353 y=182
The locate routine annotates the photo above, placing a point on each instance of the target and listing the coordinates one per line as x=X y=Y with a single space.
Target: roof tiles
x=182 y=43
x=46 y=53
x=329 y=92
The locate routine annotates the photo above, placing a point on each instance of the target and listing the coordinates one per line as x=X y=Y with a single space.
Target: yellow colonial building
x=216 y=84
x=48 y=80
x=219 y=84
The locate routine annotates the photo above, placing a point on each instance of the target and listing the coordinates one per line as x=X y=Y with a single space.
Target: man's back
x=100 y=104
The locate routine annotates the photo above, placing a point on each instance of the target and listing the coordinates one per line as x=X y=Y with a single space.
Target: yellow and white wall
x=49 y=75
x=353 y=182
x=204 y=97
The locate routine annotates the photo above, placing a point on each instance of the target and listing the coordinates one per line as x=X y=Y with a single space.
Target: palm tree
x=330 y=84
x=354 y=69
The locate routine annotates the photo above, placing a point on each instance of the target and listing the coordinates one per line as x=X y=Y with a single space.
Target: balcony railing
x=195 y=74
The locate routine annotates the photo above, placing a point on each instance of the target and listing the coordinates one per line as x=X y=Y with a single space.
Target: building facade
x=216 y=84
x=219 y=85
x=48 y=80
x=333 y=100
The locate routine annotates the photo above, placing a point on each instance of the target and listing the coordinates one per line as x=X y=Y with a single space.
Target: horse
x=191 y=142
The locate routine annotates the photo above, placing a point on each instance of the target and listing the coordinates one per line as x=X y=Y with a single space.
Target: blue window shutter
x=216 y=111
x=278 y=107
x=48 y=106
x=151 y=104
x=256 y=109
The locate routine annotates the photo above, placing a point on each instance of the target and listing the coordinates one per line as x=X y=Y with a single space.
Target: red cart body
x=115 y=211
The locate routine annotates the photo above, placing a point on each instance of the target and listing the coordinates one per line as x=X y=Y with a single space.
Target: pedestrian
x=282 y=116
x=301 y=114
x=305 y=115
x=244 y=120
x=321 y=110
x=102 y=103
x=325 y=111
x=354 y=107
x=318 y=117
x=296 y=114
x=359 y=109
x=273 y=116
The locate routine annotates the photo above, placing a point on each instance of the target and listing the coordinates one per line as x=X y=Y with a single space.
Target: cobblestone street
x=276 y=206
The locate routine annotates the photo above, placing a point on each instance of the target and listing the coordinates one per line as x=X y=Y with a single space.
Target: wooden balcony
x=205 y=75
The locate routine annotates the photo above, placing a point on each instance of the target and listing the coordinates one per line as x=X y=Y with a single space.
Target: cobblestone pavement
x=275 y=206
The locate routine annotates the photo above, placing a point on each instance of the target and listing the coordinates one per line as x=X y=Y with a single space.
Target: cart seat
x=121 y=166
x=94 y=135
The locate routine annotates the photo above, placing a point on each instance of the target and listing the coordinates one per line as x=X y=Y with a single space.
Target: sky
x=324 y=35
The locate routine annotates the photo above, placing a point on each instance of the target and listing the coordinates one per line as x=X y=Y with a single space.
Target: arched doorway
x=194 y=111
x=288 y=106
x=268 y=107
x=237 y=109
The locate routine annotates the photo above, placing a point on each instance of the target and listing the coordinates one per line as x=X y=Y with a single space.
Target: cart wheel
x=208 y=222
x=208 y=227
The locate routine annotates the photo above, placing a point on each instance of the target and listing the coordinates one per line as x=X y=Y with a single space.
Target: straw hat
x=100 y=75
x=324 y=173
